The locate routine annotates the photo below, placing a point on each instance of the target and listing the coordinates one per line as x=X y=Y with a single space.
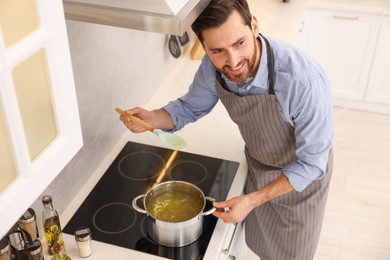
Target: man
x=280 y=99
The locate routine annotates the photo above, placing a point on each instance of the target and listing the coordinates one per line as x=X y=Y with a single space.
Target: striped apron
x=287 y=227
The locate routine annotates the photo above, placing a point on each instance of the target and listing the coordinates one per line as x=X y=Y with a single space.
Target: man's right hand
x=158 y=119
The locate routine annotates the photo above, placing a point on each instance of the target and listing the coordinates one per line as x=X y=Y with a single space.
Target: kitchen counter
x=214 y=135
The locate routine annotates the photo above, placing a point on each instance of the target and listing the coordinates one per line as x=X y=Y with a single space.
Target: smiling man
x=235 y=55
x=280 y=99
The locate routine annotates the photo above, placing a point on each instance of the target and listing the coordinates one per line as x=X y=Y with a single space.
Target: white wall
x=113 y=67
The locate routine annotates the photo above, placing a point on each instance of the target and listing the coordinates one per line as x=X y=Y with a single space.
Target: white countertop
x=214 y=135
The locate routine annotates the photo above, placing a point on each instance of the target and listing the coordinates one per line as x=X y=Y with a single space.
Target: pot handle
x=135 y=206
x=210 y=211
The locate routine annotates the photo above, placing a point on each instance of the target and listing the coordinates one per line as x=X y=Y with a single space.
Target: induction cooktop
x=107 y=210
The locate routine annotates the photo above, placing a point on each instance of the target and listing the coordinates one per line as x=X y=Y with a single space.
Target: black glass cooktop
x=107 y=210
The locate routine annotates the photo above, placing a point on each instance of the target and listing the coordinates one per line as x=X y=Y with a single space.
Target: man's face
x=233 y=48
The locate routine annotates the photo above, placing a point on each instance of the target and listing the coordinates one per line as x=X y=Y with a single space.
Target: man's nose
x=233 y=58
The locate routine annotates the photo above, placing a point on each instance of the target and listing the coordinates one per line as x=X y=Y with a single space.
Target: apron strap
x=271 y=66
x=221 y=80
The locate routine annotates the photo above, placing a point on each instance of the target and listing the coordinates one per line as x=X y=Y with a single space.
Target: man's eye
x=240 y=43
x=217 y=51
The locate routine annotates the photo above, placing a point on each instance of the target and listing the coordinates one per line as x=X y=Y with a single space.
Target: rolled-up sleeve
x=312 y=117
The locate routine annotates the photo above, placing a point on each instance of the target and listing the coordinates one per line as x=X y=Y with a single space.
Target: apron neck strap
x=271 y=66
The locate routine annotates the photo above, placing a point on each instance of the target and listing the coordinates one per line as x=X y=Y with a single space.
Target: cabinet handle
x=226 y=250
x=302 y=26
x=336 y=16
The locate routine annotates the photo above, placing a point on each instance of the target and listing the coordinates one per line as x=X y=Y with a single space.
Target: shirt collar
x=261 y=78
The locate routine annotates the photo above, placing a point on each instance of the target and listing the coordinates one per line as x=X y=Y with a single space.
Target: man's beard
x=242 y=77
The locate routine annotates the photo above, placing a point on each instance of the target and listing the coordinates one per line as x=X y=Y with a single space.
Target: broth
x=175 y=206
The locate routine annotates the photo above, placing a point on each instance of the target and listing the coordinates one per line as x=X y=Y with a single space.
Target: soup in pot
x=175 y=206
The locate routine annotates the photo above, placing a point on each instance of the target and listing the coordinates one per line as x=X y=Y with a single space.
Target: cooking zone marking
x=107 y=211
x=189 y=171
x=141 y=166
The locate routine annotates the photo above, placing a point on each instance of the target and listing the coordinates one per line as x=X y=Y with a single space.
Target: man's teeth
x=238 y=67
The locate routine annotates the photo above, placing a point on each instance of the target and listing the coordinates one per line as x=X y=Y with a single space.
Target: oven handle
x=227 y=250
x=135 y=206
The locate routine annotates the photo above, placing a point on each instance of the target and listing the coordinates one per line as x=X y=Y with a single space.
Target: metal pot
x=174 y=234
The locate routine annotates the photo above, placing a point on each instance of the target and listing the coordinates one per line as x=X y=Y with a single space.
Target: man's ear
x=255 y=26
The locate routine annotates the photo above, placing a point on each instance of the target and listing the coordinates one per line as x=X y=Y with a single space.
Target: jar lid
x=27 y=217
x=82 y=234
x=35 y=248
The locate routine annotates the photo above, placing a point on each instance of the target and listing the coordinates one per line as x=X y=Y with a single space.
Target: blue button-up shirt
x=303 y=98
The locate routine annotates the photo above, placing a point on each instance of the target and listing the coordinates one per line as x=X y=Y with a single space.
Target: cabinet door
x=39 y=122
x=379 y=84
x=343 y=43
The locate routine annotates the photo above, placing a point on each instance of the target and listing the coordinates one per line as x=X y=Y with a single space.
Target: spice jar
x=5 y=249
x=35 y=250
x=83 y=239
x=28 y=223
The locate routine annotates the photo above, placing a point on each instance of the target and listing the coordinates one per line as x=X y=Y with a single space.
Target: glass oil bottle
x=53 y=231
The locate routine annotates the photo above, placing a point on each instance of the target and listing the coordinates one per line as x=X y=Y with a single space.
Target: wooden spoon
x=169 y=139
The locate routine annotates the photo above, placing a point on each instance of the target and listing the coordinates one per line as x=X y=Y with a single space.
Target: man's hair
x=217 y=12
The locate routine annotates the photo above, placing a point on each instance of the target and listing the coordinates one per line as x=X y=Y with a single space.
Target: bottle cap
x=46 y=199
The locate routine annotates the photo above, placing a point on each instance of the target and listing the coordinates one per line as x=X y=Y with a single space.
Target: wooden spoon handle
x=135 y=120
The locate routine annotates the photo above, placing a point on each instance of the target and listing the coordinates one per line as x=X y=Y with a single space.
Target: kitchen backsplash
x=113 y=67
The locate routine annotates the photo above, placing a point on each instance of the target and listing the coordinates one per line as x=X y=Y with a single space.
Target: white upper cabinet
x=39 y=121
x=343 y=43
x=379 y=90
x=350 y=40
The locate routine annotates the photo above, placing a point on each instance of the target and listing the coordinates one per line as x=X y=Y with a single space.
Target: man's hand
x=233 y=210
x=237 y=208
x=158 y=119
